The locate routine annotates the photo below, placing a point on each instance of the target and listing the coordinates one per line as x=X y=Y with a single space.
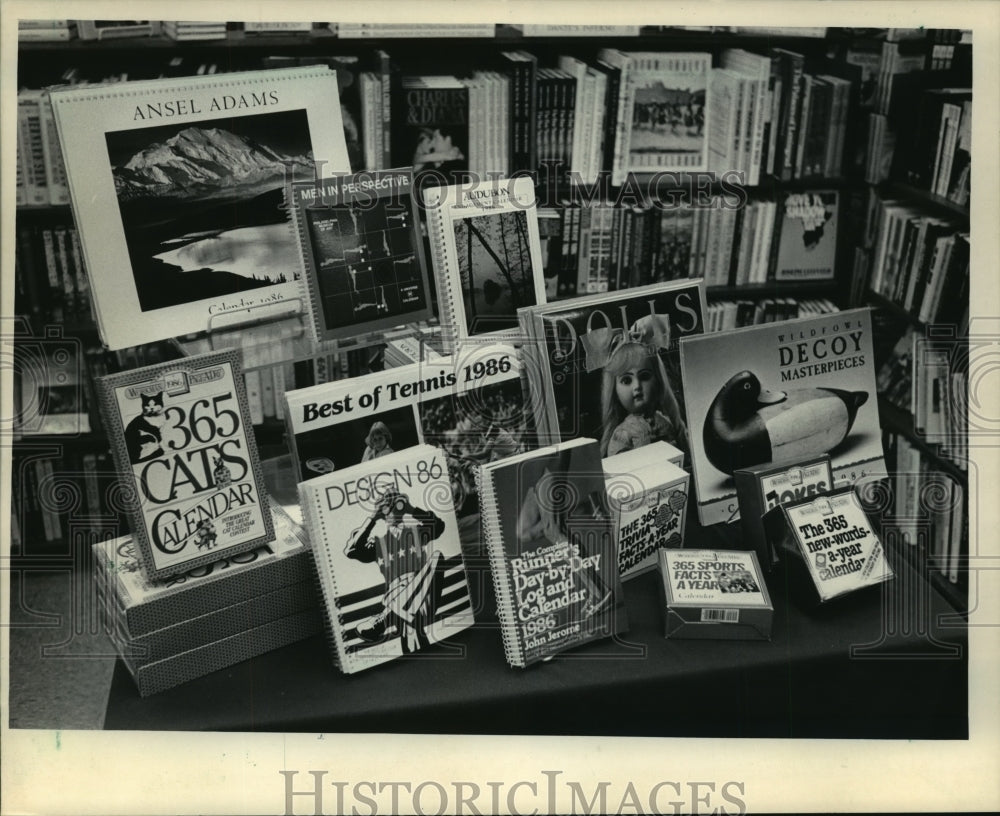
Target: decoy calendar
x=780 y=392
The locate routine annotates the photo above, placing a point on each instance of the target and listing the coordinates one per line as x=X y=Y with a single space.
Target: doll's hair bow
x=599 y=345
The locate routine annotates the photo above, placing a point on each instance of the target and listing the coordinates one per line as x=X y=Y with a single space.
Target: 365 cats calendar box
x=714 y=594
x=147 y=606
x=171 y=631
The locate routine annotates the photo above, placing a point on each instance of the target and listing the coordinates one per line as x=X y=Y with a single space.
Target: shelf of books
x=581 y=291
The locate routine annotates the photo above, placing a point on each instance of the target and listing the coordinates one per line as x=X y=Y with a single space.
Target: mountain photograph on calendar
x=201 y=204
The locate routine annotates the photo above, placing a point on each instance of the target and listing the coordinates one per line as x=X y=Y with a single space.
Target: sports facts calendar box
x=828 y=545
x=714 y=594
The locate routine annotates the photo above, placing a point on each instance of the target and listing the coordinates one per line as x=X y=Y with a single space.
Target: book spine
x=67 y=277
x=563 y=283
x=829 y=140
x=84 y=303
x=490 y=514
x=642 y=242
x=29 y=122
x=55 y=167
x=384 y=86
x=531 y=123
x=585 y=248
x=368 y=124
x=772 y=260
x=610 y=125
x=802 y=132
x=628 y=274
x=47 y=490
x=958 y=532
x=819 y=130
x=475 y=124
x=615 y=280
x=777 y=87
x=760 y=127
x=573 y=124
x=512 y=112
x=732 y=158
x=599 y=257
x=623 y=130
x=795 y=75
x=528 y=78
x=52 y=271
x=540 y=117
x=750 y=101
x=44 y=34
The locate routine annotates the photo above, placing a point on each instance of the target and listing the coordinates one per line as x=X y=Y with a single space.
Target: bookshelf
x=898 y=421
x=917 y=169
x=46 y=63
x=936 y=204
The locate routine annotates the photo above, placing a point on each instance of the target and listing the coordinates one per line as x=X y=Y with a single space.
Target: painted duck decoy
x=747 y=425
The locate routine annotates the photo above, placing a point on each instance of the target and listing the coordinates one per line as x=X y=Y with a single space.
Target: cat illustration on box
x=144 y=433
x=748 y=425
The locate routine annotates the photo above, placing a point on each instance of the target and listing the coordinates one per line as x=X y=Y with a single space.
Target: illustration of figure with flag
x=397 y=537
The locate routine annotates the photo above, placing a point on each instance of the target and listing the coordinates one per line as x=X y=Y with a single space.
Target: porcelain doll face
x=636 y=389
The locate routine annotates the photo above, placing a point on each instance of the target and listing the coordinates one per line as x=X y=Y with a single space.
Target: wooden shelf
x=755 y=291
x=505 y=35
x=957 y=594
x=939 y=205
x=894 y=418
x=882 y=302
x=89 y=442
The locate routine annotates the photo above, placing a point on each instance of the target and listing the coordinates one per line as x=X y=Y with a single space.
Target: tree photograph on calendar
x=494 y=262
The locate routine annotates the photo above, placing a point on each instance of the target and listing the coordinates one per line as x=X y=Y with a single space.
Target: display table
x=888 y=663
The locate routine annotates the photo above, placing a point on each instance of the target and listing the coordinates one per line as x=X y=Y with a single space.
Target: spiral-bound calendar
x=486 y=254
x=551 y=544
x=178 y=192
x=188 y=461
x=363 y=253
x=385 y=539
